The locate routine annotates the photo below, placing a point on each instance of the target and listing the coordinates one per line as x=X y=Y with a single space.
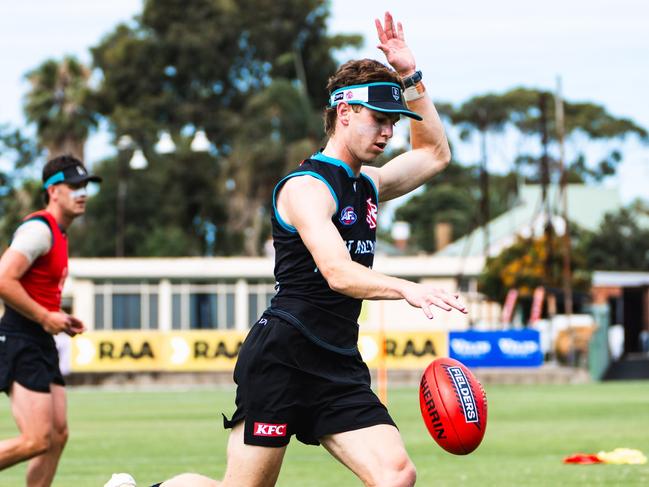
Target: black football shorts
x=287 y=385
x=33 y=365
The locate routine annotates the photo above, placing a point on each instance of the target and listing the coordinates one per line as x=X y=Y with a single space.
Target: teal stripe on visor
x=53 y=179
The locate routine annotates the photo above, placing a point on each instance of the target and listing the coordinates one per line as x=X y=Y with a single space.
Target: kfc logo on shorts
x=348 y=216
x=372 y=213
x=268 y=429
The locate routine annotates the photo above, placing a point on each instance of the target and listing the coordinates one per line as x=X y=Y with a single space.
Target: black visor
x=71 y=175
x=383 y=97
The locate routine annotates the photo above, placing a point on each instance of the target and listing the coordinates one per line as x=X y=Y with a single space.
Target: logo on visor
x=338 y=96
x=349 y=95
x=396 y=93
x=81 y=171
x=348 y=216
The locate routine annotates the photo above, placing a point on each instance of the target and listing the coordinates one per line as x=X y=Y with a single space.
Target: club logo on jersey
x=396 y=93
x=372 y=213
x=268 y=429
x=348 y=216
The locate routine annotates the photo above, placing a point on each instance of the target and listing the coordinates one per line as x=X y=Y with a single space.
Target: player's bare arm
x=13 y=266
x=306 y=203
x=430 y=150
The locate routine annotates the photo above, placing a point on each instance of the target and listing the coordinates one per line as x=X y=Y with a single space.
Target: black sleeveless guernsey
x=304 y=299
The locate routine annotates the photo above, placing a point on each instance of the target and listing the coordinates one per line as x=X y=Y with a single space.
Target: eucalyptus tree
x=251 y=74
x=515 y=113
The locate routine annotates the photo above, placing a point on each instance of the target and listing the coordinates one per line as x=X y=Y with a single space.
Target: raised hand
x=393 y=45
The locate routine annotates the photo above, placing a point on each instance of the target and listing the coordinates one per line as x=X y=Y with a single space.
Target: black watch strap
x=412 y=80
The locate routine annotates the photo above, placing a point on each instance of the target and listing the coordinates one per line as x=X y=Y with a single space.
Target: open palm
x=393 y=45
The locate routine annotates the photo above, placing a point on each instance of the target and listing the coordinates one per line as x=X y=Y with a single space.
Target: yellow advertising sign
x=404 y=350
x=203 y=351
x=194 y=351
x=110 y=351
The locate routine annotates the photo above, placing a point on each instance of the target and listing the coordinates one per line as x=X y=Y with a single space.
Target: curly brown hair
x=357 y=72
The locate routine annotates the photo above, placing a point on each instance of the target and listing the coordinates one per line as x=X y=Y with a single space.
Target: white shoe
x=121 y=480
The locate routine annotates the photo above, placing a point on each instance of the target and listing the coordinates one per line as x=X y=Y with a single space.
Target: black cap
x=72 y=173
x=382 y=97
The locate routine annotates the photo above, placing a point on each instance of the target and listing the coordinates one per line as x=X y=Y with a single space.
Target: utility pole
x=545 y=182
x=547 y=213
x=567 y=273
x=484 y=183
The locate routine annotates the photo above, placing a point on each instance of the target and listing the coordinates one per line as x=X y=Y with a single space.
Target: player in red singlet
x=32 y=273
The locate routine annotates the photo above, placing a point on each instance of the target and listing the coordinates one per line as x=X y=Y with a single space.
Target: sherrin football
x=453 y=405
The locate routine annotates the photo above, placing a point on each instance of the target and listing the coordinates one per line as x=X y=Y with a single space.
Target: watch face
x=413 y=79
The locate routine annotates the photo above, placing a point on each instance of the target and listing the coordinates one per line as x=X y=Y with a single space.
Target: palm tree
x=59 y=104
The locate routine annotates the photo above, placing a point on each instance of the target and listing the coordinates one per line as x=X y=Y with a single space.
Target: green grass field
x=153 y=435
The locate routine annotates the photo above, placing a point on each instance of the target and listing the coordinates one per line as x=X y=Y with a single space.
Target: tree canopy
x=251 y=74
x=59 y=104
x=518 y=111
x=620 y=243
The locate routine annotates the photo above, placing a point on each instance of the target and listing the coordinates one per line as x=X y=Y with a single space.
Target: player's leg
x=41 y=469
x=248 y=466
x=33 y=413
x=375 y=454
x=350 y=421
x=258 y=400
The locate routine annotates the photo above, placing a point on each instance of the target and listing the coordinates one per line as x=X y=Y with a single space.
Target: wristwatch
x=412 y=80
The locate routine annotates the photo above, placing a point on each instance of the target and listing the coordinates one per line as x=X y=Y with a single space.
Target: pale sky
x=600 y=48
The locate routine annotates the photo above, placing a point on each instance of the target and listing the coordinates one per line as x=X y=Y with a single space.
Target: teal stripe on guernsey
x=285 y=225
x=319 y=156
x=376 y=191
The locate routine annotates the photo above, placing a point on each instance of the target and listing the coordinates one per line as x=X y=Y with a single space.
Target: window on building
x=99 y=311
x=194 y=306
x=203 y=311
x=127 y=312
x=203 y=306
x=126 y=307
x=259 y=297
x=176 y=312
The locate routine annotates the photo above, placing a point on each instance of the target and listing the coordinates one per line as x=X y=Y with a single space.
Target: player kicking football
x=299 y=371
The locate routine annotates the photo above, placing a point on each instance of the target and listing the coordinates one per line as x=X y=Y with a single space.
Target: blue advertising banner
x=512 y=348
